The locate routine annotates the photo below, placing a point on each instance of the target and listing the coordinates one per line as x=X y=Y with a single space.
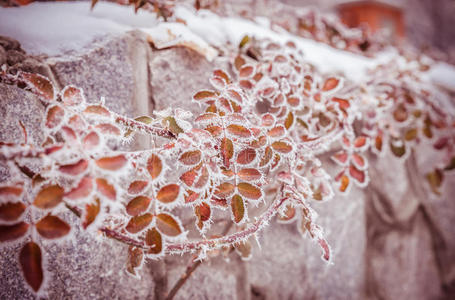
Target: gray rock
x=9 y=43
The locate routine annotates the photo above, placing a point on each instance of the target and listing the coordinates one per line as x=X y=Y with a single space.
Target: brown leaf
x=11 y=211
x=168 y=193
x=137 y=186
x=82 y=190
x=74 y=169
x=54 y=116
x=227 y=151
x=154 y=166
x=138 y=205
x=106 y=189
x=52 y=227
x=49 y=197
x=72 y=95
x=167 y=225
x=202 y=212
x=435 y=180
x=204 y=95
x=224 y=190
x=12 y=232
x=330 y=84
x=190 y=158
x=289 y=120
x=289 y=214
x=268 y=154
x=91 y=212
x=249 y=191
x=40 y=84
x=31 y=265
x=10 y=192
x=189 y=177
x=246 y=156
x=282 y=147
x=154 y=240
x=135 y=258
x=239 y=131
x=138 y=223
x=237 y=208
x=203 y=178
x=112 y=163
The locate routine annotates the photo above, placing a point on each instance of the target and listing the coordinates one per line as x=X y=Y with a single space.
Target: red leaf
x=98 y=110
x=224 y=190
x=189 y=177
x=441 y=143
x=282 y=147
x=325 y=249
x=358 y=175
x=167 y=225
x=249 y=174
x=11 y=211
x=202 y=212
x=400 y=114
x=82 y=190
x=168 y=193
x=54 y=116
x=40 y=84
x=154 y=240
x=106 y=189
x=139 y=223
x=10 y=192
x=237 y=208
x=360 y=141
x=12 y=232
x=340 y=157
x=52 y=227
x=191 y=196
x=190 y=158
x=135 y=258
x=49 y=197
x=239 y=131
x=138 y=205
x=154 y=166
x=246 y=71
x=74 y=169
x=136 y=187
x=249 y=191
x=72 y=95
x=203 y=178
x=108 y=129
x=342 y=103
x=246 y=156
x=112 y=163
x=268 y=154
x=31 y=265
x=330 y=84
x=91 y=141
x=268 y=120
x=277 y=131
x=358 y=160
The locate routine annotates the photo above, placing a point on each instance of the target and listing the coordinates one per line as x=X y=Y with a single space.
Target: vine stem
x=209 y=244
x=133 y=124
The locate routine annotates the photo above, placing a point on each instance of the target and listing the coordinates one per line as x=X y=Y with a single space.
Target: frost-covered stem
x=133 y=124
x=121 y=238
x=216 y=243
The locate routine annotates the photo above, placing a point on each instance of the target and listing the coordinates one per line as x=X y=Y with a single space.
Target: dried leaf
x=243 y=249
x=106 y=189
x=289 y=120
x=288 y=215
x=344 y=183
x=205 y=95
x=237 y=208
x=167 y=225
x=168 y=193
x=91 y=212
x=277 y=131
x=435 y=180
x=13 y=232
x=11 y=211
x=31 y=264
x=190 y=158
x=52 y=227
x=249 y=191
x=268 y=154
x=154 y=166
x=138 y=205
x=40 y=84
x=139 y=223
x=49 y=197
x=112 y=163
x=135 y=258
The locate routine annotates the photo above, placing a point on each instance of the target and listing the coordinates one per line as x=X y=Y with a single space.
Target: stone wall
x=392 y=240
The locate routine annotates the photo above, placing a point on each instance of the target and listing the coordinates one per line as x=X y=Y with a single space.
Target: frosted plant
x=251 y=155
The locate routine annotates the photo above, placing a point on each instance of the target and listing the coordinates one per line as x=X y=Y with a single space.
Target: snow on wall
x=55 y=28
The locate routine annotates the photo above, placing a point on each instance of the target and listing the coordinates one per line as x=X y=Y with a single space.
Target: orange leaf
x=168 y=193
x=74 y=169
x=239 y=131
x=12 y=232
x=246 y=71
x=249 y=174
x=167 y=225
x=10 y=192
x=360 y=141
x=282 y=147
x=91 y=212
x=154 y=166
x=267 y=157
x=72 y=96
x=31 y=265
x=11 y=211
x=246 y=156
x=137 y=187
x=288 y=215
x=106 y=189
x=289 y=120
x=344 y=183
x=358 y=175
x=40 y=84
x=54 y=116
x=237 y=208
x=52 y=227
x=205 y=95
x=49 y=197
x=202 y=212
x=112 y=163
x=138 y=205
x=138 y=223
x=330 y=84
x=154 y=240
x=190 y=158
x=224 y=190
x=227 y=151
x=189 y=177
x=82 y=190
x=277 y=131
x=249 y=191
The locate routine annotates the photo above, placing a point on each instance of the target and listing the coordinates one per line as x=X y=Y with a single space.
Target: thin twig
x=133 y=124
